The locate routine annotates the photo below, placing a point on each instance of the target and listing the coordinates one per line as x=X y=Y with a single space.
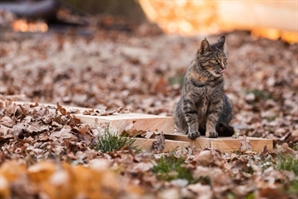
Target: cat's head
x=212 y=57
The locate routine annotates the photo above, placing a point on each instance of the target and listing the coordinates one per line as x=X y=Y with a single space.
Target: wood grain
x=225 y=144
x=132 y=121
x=170 y=145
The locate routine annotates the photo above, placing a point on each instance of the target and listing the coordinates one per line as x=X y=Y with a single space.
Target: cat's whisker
x=226 y=72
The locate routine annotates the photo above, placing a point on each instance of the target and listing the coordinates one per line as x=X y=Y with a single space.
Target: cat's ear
x=205 y=46
x=221 y=42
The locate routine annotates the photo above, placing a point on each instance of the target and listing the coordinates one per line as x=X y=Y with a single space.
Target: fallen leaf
x=159 y=143
x=7 y=121
x=201 y=191
x=61 y=109
x=245 y=145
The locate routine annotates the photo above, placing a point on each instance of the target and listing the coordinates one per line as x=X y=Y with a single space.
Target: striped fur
x=203 y=107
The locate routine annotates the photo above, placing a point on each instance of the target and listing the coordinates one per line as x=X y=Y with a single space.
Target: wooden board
x=226 y=144
x=132 y=121
x=170 y=145
x=173 y=141
x=231 y=144
x=121 y=122
x=200 y=143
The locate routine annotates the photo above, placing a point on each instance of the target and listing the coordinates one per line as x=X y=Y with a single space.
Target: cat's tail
x=224 y=130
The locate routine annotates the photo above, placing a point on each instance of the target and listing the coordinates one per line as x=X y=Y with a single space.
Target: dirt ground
x=142 y=70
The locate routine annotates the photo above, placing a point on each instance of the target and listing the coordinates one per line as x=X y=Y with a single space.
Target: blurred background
x=272 y=19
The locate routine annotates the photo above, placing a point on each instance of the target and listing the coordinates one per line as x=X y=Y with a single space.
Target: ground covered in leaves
x=48 y=153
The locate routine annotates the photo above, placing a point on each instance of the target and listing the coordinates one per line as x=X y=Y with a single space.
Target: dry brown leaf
x=4 y=187
x=149 y=134
x=271 y=193
x=201 y=191
x=61 y=109
x=110 y=110
x=143 y=166
x=7 y=121
x=160 y=86
x=5 y=131
x=245 y=145
x=208 y=158
x=36 y=127
x=64 y=133
x=295 y=135
x=285 y=149
x=12 y=171
x=159 y=143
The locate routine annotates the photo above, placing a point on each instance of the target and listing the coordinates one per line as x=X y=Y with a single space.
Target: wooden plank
x=170 y=145
x=121 y=122
x=132 y=121
x=230 y=144
x=224 y=144
x=201 y=142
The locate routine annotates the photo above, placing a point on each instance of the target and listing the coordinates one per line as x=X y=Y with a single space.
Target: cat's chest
x=205 y=97
x=207 y=92
x=203 y=92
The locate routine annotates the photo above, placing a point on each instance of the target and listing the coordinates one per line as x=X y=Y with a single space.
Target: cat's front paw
x=193 y=135
x=212 y=134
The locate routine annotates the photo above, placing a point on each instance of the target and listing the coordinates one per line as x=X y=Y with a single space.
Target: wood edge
x=178 y=136
x=235 y=145
x=69 y=108
x=170 y=145
x=224 y=144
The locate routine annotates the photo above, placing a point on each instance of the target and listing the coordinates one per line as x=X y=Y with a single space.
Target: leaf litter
x=48 y=153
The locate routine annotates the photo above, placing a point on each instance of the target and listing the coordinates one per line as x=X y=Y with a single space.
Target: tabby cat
x=203 y=106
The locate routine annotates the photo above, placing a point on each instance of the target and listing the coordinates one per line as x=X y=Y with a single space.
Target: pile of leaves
x=48 y=153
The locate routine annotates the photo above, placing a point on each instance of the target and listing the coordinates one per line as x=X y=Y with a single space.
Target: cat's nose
x=222 y=64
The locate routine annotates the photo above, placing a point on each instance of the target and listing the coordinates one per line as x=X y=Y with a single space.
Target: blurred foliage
x=177 y=79
x=171 y=167
x=122 y=8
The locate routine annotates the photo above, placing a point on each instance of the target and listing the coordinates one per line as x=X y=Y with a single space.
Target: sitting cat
x=203 y=106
